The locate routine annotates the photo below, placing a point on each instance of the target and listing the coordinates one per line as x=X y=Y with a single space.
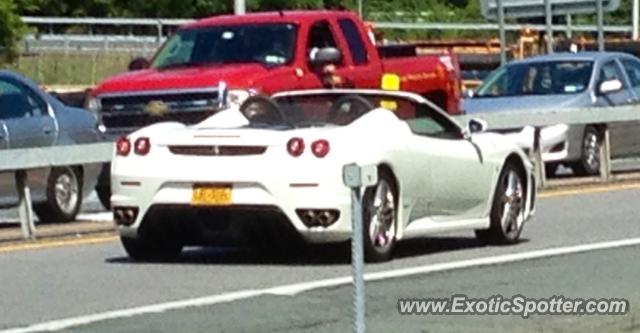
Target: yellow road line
x=589 y=189
x=51 y=243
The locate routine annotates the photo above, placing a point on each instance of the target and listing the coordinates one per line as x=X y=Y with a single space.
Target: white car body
x=443 y=184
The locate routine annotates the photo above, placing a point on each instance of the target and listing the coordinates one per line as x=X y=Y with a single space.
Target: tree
x=11 y=30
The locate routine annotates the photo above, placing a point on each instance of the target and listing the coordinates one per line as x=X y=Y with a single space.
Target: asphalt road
x=53 y=283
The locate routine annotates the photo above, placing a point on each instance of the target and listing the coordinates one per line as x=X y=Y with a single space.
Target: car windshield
x=321 y=109
x=538 y=78
x=340 y=109
x=268 y=44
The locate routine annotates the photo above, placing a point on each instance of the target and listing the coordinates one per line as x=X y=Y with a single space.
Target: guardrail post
x=357 y=177
x=605 y=155
x=24 y=207
x=537 y=159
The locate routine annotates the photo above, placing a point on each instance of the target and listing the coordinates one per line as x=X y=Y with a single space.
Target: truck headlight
x=92 y=104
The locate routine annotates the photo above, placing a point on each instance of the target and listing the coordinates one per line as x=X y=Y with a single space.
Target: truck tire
x=103 y=187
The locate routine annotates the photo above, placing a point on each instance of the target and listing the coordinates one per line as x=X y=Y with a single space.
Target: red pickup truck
x=266 y=53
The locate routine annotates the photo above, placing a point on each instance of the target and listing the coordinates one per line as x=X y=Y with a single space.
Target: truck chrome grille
x=145 y=108
x=217 y=150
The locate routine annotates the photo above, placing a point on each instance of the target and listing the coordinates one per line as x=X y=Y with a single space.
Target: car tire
x=149 y=249
x=379 y=216
x=507 y=210
x=63 y=196
x=103 y=186
x=589 y=163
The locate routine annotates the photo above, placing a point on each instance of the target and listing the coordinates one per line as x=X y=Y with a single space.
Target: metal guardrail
x=20 y=160
x=50 y=41
x=573 y=116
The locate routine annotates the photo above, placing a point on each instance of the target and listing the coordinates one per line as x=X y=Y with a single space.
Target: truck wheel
x=148 y=249
x=64 y=196
x=103 y=187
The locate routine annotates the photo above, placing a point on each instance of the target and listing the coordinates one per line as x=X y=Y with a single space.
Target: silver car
x=566 y=80
x=30 y=117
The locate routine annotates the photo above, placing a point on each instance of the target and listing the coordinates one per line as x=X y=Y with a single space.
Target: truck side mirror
x=324 y=56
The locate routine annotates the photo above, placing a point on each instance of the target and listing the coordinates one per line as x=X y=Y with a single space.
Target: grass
x=70 y=69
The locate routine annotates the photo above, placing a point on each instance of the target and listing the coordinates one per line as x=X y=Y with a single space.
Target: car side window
x=429 y=122
x=320 y=36
x=18 y=101
x=354 y=39
x=632 y=68
x=610 y=71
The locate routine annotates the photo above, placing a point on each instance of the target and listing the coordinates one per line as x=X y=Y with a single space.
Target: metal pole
x=605 y=156
x=537 y=158
x=503 y=38
x=24 y=206
x=635 y=17
x=360 y=8
x=357 y=262
x=600 y=25
x=569 y=31
x=549 y=22
x=239 y=7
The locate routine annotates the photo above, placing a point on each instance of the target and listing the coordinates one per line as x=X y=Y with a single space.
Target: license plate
x=211 y=195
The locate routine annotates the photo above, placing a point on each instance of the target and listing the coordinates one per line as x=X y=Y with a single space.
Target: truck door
x=320 y=35
x=361 y=70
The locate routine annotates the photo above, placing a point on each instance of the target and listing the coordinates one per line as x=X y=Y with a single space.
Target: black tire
x=503 y=231
x=379 y=243
x=550 y=169
x=148 y=249
x=589 y=163
x=103 y=186
x=63 y=196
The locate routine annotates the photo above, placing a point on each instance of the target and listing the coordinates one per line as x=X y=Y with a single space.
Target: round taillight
x=142 y=146
x=320 y=148
x=123 y=146
x=295 y=147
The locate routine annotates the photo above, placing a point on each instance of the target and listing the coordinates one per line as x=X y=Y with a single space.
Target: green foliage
x=11 y=30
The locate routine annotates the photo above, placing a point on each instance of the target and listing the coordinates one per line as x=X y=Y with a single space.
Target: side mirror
x=609 y=86
x=477 y=125
x=138 y=63
x=324 y=56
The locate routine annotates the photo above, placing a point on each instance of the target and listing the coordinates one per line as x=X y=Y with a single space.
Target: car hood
x=519 y=103
x=181 y=78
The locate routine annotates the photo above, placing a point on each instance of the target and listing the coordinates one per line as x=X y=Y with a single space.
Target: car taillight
x=142 y=146
x=295 y=147
x=123 y=146
x=320 y=148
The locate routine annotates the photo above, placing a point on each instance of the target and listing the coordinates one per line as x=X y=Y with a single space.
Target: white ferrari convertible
x=271 y=170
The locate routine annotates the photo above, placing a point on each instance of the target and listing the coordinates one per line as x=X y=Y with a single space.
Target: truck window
x=356 y=45
x=320 y=36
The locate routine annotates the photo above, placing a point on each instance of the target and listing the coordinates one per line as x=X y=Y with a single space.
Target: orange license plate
x=211 y=195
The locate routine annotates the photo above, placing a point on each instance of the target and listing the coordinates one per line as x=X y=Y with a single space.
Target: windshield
x=340 y=109
x=538 y=78
x=268 y=44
